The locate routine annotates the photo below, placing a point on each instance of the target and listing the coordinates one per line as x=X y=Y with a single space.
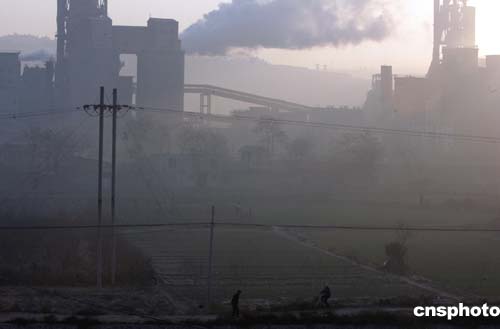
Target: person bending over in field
x=235 y=302
x=324 y=296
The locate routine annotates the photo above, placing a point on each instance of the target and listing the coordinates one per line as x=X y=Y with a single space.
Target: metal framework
x=454 y=26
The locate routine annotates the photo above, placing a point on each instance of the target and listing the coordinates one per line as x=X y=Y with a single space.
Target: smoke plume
x=287 y=24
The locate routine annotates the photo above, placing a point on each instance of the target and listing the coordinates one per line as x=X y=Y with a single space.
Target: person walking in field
x=235 y=302
x=324 y=296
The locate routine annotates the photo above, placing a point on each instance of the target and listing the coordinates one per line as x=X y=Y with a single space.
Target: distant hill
x=27 y=44
x=301 y=85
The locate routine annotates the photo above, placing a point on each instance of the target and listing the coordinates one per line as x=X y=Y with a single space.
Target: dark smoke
x=287 y=24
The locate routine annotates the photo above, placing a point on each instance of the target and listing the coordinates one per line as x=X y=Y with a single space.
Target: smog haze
x=414 y=18
x=249 y=163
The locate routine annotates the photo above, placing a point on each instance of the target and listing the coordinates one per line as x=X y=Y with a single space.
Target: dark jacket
x=235 y=301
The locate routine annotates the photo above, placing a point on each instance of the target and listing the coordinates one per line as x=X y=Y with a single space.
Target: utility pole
x=113 y=188
x=99 y=189
x=100 y=109
x=210 y=259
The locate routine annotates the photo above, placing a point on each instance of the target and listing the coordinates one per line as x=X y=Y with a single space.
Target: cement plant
x=167 y=175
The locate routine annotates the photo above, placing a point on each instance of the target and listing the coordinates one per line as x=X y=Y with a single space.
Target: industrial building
x=25 y=89
x=457 y=86
x=88 y=56
x=37 y=87
x=10 y=80
x=89 y=49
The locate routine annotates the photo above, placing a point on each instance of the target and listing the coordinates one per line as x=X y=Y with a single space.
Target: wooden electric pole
x=100 y=109
x=113 y=189
x=210 y=260
x=99 y=189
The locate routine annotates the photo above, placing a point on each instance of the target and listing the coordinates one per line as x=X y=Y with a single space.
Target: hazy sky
x=408 y=49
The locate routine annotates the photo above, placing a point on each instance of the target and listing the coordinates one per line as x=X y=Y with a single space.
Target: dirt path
x=425 y=285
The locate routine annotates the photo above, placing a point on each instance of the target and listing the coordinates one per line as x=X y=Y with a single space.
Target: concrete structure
x=10 y=82
x=411 y=94
x=454 y=28
x=37 y=87
x=380 y=100
x=29 y=90
x=454 y=72
x=88 y=56
x=386 y=84
x=160 y=61
x=493 y=71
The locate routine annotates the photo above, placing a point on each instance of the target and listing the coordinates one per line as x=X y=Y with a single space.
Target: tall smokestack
x=387 y=84
x=105 y=7
x=437 y=34
x=62 y=39
x=436 y=54
x=61 y=30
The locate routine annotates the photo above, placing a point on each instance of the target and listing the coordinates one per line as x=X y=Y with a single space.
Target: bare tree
x=207 y=150
x=300 y=149
x=271 y=133
x=150 y=136
x=358 y=155
x=397 y=252
x=51 y=149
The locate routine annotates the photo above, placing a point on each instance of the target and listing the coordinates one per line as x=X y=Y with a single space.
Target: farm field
x=453 y=261
x=458 y=261
x=265 y=265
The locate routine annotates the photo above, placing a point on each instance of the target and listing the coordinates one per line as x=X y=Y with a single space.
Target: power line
x=378 y=130
x=373 y=129
x=33 y=114
x=364 y=228
x=88 y=227
x=255 y=226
